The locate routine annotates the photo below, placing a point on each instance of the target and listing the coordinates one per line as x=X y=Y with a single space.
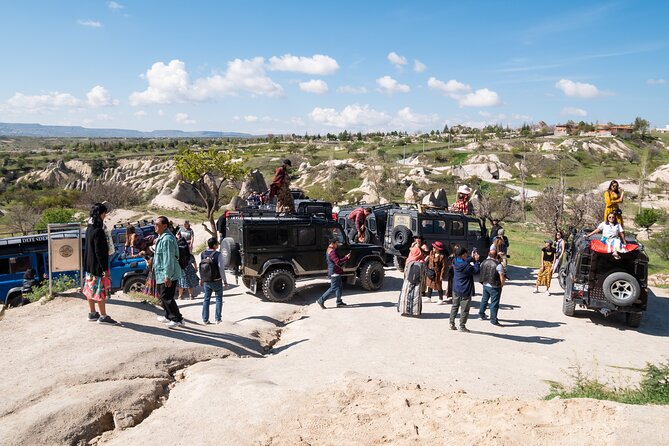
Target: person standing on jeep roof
x=167 y=272
x=462 y=204
x=492 y=278
x=464 y=268
x=613 y=196
x=335 y=271
x=359 y=217
x=280 y=187
x=213 y=279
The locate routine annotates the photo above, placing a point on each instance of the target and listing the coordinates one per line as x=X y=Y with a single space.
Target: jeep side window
x=473 y=229
x=371 y=224
x=440 y=227
x=262 y=237
x=331 y=232
x=457 y=228
x=306 y=236
x=15 y=265
x=426 y=227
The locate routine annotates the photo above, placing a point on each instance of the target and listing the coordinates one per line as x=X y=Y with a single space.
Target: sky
x=325 y=66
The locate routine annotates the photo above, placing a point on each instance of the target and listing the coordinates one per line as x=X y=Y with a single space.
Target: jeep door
x=477 y=237
x=309 y=257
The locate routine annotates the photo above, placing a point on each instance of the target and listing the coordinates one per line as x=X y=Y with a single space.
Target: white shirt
x=610 y=231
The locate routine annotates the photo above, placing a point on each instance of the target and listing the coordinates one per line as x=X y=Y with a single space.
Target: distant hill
x=62 y=131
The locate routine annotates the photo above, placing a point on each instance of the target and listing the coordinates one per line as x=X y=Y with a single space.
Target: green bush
x=659 y=244
x=60 y=284
x=55 y=215
x=648 y=217
x=654 y=388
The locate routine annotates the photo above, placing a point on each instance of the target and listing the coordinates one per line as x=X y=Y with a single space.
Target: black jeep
x=375 y=229
x=434 y=225
x=598 y=281
x=273 y=252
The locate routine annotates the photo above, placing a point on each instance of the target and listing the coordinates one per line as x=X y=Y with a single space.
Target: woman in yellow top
x=613 y=197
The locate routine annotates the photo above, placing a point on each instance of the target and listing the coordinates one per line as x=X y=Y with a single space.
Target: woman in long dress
x=546 y=267
x=436 y=262
x=613 y=196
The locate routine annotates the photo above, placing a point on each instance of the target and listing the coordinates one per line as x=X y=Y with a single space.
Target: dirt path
x=358 y=375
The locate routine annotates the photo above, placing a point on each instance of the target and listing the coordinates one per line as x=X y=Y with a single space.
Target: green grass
x=653 y=389
x=525 y=243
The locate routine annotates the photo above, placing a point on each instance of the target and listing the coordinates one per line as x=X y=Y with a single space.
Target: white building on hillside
x=664 y=130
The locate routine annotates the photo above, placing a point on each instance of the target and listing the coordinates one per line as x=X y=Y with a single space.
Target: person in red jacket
x=280 y=187
x=335 y=271
x=359 y=218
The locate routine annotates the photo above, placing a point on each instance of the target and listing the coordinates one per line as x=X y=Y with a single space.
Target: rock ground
x=284 y=374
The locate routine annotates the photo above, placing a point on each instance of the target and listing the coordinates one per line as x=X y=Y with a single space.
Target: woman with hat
x=280 y=186
x=462 y=204
x=436 y=262
x=546 y=268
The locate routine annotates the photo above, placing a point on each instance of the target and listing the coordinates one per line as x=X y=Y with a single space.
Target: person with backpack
x=189 y=279
x=212 y=278
x=492 y=278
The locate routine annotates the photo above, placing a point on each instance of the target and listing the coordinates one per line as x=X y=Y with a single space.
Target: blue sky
x=317 y=66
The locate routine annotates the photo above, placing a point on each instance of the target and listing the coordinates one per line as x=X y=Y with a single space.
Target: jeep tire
x=621 y=289
x=401 y=237
x=353 y=236
x=134 y=284
x=633 y=320
x=278 y=285
x=14 y=300
x=371 y=275
x=230 y=252
x=399 y=263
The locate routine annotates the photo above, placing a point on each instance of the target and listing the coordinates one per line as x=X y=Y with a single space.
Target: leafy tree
x=55 y=215
x=648 y=217
x=207 y=171
x=659 y=244
x=641 y=125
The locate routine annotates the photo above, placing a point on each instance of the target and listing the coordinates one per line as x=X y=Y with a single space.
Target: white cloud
x=42 y=103
x=139 y=114
x=485 y=114
x=573 y=111
x=419 y=66
x=183 y=118
x=480 y=98
x=352 y=116
x=389 y=85
x=114 y=6
x=351 y=90
x=656 y=82
x=315 y=86
x=452 y=88
x=90 y=23
x=250 y=118
x=463 y=93
x=171 y=83
x=407 y=119
x=396 y=59
x=578 y=89
x=317 y=64
x=100 y=97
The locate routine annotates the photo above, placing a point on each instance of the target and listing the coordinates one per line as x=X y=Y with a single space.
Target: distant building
x=622 y=131
x=664 y=130
x=562 y=130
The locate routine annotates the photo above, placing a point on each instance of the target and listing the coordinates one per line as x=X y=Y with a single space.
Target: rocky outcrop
x=437 y=198
x=255 y=182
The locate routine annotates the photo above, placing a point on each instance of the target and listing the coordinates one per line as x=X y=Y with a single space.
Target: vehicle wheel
x=633 y=319
x=568 y=308
x=562 y=277
x=15 y=300
x=230 y=252
x=401 y=237
x=278 y=285
x=371 y=275
x=135 y=284
x=399 y=263
x=621 y=289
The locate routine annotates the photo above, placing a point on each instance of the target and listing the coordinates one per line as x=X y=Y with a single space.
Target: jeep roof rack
x=144 y=222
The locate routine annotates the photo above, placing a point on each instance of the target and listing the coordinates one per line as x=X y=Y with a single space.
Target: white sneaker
x=173 y=324
x=163 y=319
x=548 y=293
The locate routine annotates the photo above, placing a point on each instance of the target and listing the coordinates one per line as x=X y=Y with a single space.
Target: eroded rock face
x=254 y=182
x=437 y=198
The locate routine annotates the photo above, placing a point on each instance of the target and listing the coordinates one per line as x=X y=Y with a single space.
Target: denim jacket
x=166 y=258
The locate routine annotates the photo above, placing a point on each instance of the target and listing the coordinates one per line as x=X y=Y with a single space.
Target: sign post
x=64 y=250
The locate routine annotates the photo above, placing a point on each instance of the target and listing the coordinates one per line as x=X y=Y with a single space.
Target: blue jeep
x=17 y=254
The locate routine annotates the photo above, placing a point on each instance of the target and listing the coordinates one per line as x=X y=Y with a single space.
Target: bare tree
x=495 y=204
x=548 y=208
x=21 y=218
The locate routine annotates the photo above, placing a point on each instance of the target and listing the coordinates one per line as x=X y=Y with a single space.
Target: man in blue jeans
x=334 y=273
x=492 y=278
x=212 y=277
x=464 y=268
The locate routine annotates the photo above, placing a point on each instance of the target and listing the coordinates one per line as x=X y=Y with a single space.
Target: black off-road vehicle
x=375 y=230
x=598 y=281
x=273 y=252
x=434 y=225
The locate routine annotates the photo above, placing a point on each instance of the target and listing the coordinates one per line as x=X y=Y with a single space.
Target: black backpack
x=414 y=274
x=209 y=271
x=184 y=253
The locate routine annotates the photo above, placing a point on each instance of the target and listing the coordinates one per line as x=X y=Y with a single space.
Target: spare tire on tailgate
x=401 y=237
x=230 y=252
x=621 y=289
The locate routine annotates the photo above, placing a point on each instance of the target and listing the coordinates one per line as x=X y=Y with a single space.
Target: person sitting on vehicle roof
x=462 y=204
x=612 y=234
x=280 y=187
x=359 y=217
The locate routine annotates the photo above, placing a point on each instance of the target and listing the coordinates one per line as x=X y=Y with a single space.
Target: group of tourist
x=165 y=273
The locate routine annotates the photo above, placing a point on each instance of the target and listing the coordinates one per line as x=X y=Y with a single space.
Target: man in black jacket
x=492 y=278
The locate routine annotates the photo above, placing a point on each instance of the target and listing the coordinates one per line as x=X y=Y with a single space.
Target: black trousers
x=166 y=294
